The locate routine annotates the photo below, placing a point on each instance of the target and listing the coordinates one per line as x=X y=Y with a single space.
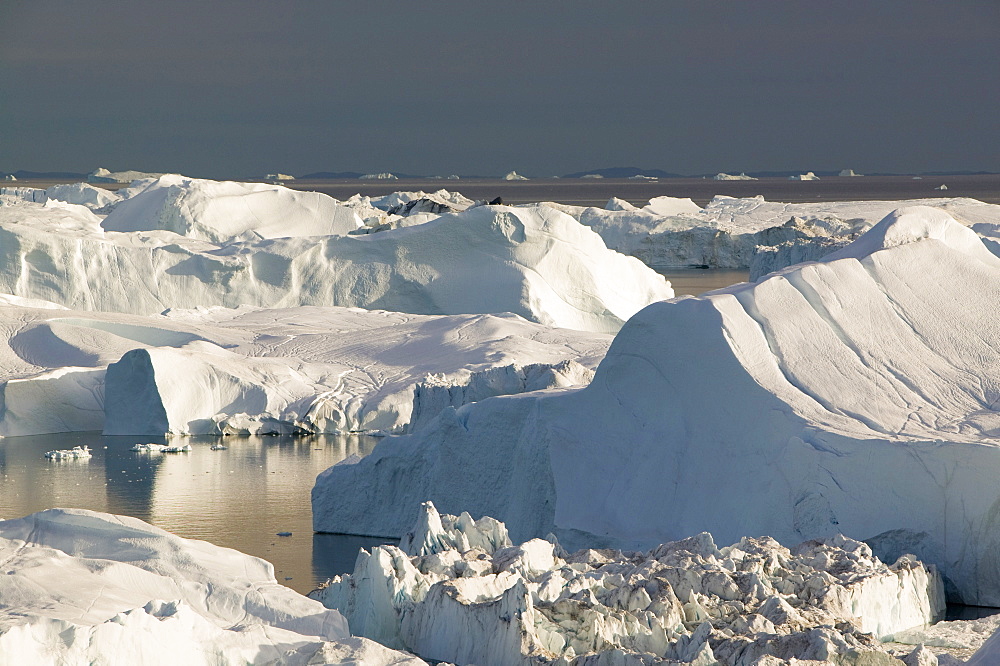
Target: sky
x=240 y=88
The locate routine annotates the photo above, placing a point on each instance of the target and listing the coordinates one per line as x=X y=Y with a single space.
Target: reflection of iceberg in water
x=239 y=497
x=336 y=554
x=243 y=496
x=31 y=482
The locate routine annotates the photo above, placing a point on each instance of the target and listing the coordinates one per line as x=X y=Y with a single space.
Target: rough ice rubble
x=82 y=587
x=857 y=394
x=457 y=590
x=536 y=262
x=253 y=371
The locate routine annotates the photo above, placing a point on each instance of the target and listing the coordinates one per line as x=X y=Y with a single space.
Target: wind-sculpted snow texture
x=535 y=262
x=731 y=233
x=224 y=211
x=857 y=395
x=457 y=590
x=81 y=587
x=253 y=371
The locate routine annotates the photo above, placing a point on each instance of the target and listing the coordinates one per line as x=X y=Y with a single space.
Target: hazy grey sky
x=238 y=87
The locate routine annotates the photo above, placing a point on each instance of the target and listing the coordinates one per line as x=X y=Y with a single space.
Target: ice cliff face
x=457 y=590
x=853 y=395
x=534 y=262
x=82 y=587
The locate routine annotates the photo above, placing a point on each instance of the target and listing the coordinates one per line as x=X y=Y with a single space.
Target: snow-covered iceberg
x=726 y=176
x=83 y=194
x=223 y=211
x=858 y=395
x=732 y=233
x=535 y=262
x=254 y=371
x=458 y=590
x=82 y=587
x=102 y=175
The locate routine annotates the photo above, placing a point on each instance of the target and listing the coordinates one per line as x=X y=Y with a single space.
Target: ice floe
x=458 y=590
x=857 y=395
x=82 y=588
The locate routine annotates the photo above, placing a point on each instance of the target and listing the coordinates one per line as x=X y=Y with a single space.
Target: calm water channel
x=240 y=498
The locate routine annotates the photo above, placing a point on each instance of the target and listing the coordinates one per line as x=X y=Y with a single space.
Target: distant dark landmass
x=624 y=172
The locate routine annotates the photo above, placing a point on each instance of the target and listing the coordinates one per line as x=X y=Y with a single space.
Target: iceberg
x=225 y=211
x=726 y=176
x=102 y=175
x=84 y=194
x=457 y=590
x=82 y=587
x=809 y=175
x=257 y=371
x=731 y=232
x=513 y=175
x=857 y=395
x=534 y=262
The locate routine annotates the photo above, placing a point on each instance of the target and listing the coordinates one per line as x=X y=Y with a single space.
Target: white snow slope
x=307 y=369
x=856 y=395
x=82 y=587
x=223 y=211
x=535 y=262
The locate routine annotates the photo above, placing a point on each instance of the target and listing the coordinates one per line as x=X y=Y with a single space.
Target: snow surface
x=249 y=370
x=535 y=262
x=853 y=395
x=83 y=587
x=457 y=590
x=225 y=211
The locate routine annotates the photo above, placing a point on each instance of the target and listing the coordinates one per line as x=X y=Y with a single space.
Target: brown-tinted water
x=241 y=497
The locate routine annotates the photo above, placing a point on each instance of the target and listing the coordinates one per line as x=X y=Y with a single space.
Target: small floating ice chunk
x=148 y=448
x=176 y=448
x=66 y=454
